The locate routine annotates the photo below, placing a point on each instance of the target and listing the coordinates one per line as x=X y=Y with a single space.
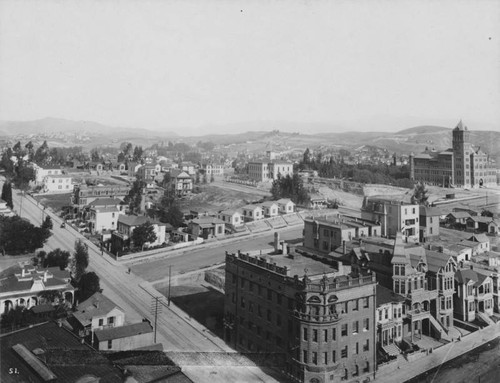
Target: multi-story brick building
x=268 y=170
x=394 y=215
x=325 y=234
x=462 y=165
x=320 y=326
x=83 y=195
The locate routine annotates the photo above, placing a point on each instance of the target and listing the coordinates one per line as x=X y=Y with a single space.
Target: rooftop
x=123 y=331
x=136 y=220
x=384 y=296
x=96 y=305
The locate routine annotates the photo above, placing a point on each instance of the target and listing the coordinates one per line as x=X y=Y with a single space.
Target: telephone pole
x=155 y=309
x=169 y=278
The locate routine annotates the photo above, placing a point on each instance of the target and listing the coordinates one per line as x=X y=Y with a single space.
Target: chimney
x=276 y=241
x=441 y=249
x=285 y=248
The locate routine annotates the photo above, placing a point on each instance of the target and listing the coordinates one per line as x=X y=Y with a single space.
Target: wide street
x=174 y=330
x=155 y=269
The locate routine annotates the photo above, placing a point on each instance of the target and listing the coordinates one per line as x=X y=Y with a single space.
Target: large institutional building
x=462 y=165
x=319 y=327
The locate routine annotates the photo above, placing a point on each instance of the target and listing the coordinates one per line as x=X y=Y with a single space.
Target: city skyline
x=220 y=67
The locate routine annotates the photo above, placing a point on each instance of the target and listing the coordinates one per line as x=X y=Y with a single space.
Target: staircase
x=439 y=328
x=486 y=318
x=392 y=349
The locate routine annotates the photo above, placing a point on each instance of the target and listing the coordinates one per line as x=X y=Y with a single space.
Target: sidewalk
x=402 y=370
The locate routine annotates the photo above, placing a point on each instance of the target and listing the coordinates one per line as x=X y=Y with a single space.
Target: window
x=110 y=344
x=355 y=306
x=304 y=356
x=343 y=352
x=259 y=311
x=250 y=286
x=355 y=327
x=269 y=315
x=366 y=324
x=250 y=306
x=325 y=335
x=315 y=357
x=334 y=357
x=366 y=302
x=344 y=329
x=278 y=319
x=111 y=320
x=279 y=298
x=386 y=313
x=356 y=351
x=334 y=334
x=269 y=294
x=101 y=322
x=315 y=335
x=366 y=346
x=242 y=303
x=304 y=333
x=242 y=281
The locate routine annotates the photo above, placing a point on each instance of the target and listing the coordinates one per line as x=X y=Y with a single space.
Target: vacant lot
x=54 y=201
x=200 y=302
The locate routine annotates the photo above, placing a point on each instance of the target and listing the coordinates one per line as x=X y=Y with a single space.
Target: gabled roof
x=468 y=275
x=97 y=305
x=207 y=221
x=251 y=207
x=482 y=238
x=230 y=212
x=459 y=214
x=383 y=295
x=123 y=331
x=106 y=202
x=137 y=220
x=269 y=203
x=436 y=260
x=284 y=201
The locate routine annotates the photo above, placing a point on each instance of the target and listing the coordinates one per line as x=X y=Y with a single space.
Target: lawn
x=54 y=201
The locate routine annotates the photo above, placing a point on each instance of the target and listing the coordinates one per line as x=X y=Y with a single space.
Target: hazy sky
x=368 y=65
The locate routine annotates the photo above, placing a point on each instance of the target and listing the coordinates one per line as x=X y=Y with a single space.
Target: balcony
x=417 y=314
x=329 y=318
x=420 y=295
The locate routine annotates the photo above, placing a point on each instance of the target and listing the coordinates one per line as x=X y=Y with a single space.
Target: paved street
x=174 y=331
x=157 y=268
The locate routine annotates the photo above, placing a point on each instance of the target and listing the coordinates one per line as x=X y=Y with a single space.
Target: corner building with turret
x=310 y=316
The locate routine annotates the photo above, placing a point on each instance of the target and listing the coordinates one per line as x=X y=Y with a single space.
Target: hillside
x=51 y=126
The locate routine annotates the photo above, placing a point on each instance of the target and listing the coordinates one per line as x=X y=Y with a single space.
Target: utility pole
x=156 y=308
x=169 y=278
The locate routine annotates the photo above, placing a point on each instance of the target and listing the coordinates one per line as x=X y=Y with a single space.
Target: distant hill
x=58 y=125
x=426 y=129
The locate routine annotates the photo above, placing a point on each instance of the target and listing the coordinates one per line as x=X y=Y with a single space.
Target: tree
x=204 y=178
x=137 y=153
x=42 y=154
x=487 y=213
x=420 y=194
x=212 y=179
x=89 y=285
x=143 y=233
x=94 y=155
x=18 y=235
x=197 y=178
x=56 y=258
x=7 y=194
x=134 y=197
x=47 y=223
x=80 y=260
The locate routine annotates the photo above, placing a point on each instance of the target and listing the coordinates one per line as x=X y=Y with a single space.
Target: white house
x=252 y=213
x=59 y=183
x=270 y=208
x=286 y=206
x=125 y=227
x=231 y=217
x=97 y=313
x=103 y=214
x=42 y=172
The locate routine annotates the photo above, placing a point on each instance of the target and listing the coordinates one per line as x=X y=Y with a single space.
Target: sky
x=223 y=66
